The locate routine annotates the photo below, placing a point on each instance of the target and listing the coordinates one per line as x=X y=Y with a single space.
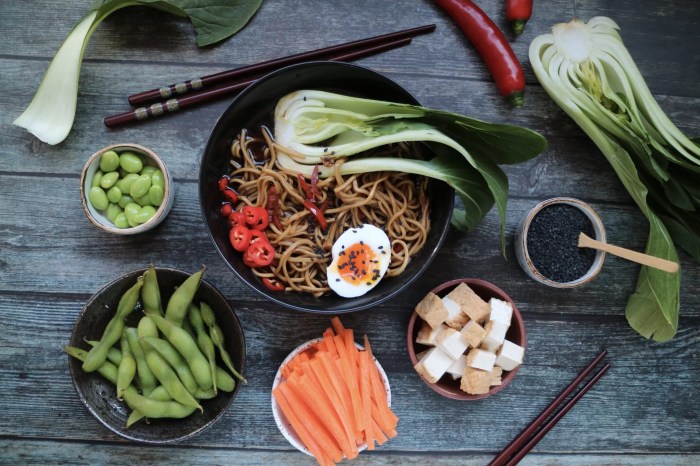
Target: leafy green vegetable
x=316 y=126
x=51 y=113
x=589 y=73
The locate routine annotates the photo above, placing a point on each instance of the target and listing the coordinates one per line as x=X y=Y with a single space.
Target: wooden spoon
x=584 y=241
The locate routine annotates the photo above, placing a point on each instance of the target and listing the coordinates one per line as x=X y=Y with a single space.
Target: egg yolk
x=358 y=264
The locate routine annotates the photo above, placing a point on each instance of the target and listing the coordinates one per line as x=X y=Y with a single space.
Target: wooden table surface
x=644 y=411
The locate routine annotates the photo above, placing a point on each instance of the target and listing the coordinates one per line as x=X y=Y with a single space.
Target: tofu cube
x=426 y=335
x=451 y=342
x=458 y=366
x=480 y=359
x=431 y=310
x=501 y=311
x=495 y=335
x=475 y=381
x=472 y=305
x=455 y=317
x=433 y=365
x=473 y=333
x=510 y=356
x=495 y=376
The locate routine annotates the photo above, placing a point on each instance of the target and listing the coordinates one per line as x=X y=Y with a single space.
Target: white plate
x=281 y=420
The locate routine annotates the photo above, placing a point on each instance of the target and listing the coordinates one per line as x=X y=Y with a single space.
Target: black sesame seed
x=337 y=279
x=369 y=283
x=362 y=243
x=380 y=247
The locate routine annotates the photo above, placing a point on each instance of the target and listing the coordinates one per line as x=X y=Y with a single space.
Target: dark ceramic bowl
x=256 y=104
x=447 y=386
x=99 y=395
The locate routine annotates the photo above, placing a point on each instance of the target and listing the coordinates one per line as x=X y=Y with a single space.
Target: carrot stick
x=312 y=423
x=378 y=434
x=303 y=386
x=365 y=392
x=306 y=437
x=341 y=388
x=378 y=391
x=323 y=380
x=330 y=343
x=337 y=325
x=351 y=383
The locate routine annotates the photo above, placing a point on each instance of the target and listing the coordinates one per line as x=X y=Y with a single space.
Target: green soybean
x=131 y=210
x=140 y=186
x=169 y=379
x=181 y=299
x=112 y=333
x=176 y=361
x=121 y=222
x=109 y=161
x=185 y=344
x=112 y=211
x=96 y=178
x=125 y=183
x=98 y=198
x=130 y=162
x=203 y=340
x=155 y=195
x=109 y=179
x=125 y=200
x=148 y=170
x=150 y=293
x=158 y=179
x=145 y=214
x=114 y=194
x=217 y=337
x=144 y=200
x=147 y=381
x=127 y=368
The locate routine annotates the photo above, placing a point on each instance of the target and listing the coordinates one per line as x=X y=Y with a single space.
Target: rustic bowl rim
x=445 y=389
x=103 y=223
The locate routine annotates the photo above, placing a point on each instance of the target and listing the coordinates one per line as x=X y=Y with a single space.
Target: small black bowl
x=99 y=395
x=255 y=104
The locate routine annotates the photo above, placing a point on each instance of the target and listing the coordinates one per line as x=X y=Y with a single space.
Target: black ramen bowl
x=99 y=395
x=254 y=106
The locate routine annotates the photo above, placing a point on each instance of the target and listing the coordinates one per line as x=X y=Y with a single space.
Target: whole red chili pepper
x=517 y=14
x=491 y=44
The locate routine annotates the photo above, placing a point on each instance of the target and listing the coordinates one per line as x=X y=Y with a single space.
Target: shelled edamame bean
x=125 y=189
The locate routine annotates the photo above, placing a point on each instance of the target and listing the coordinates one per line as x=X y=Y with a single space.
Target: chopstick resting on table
x=543 y=423
x=233 y=81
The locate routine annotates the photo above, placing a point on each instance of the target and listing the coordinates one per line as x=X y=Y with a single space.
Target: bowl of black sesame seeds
x=546 y=243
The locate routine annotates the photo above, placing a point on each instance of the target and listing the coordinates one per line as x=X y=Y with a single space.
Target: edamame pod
x=185 y=344
x=181 y=299
x=146 y=328
x=127 y=368
x=217 y=337
x=112 y=333
x=168 y=378
x=150 y=293
x=114 y=355
x=203 y=341
x=156 y=409
x=147 y=381
x=159 y=394
x=224 y=381
x=173 y=357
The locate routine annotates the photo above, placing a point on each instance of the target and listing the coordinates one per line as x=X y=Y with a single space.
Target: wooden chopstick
x=176 y=104
x=259 y=69
x=547 y=419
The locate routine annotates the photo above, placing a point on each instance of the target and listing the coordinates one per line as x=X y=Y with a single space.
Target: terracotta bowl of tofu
x=466 y=339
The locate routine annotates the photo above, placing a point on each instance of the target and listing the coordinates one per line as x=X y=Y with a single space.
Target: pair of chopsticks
x=200 y=90
x=532 y=434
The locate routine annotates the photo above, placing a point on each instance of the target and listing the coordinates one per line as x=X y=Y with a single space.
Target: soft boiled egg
x=361 y=257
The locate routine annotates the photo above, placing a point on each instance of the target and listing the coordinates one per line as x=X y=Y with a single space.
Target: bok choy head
x=588 y=72
x=315 y=127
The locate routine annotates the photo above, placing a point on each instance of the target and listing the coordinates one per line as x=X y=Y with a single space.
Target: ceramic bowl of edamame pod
x=169 y=380
x=126 y=189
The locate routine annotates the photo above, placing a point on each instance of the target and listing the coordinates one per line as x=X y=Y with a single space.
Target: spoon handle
x=584 y=241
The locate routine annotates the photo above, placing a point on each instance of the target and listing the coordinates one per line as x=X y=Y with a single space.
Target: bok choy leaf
x=316 y=127
x=51 y=113
x=586 y=69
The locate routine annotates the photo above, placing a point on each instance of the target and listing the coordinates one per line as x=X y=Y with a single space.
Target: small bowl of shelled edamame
x=126 y=189
x=157 y=355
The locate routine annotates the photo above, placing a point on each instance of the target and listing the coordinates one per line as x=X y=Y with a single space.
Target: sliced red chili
x=273 y=207
x=324 y=206
x=236 y=218
x=258 y=235
x=226 y=209
x=223 y=182
x=256 y=217
x=305 y=187
x=239 y=237
x=273 y=284
x=314 y=184
x=317 y=213
x=230 y=195
x=260 y=253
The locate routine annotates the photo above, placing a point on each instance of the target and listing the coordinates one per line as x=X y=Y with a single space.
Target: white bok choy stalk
x=588 y=72
x=315 y=128
x=51 y=113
